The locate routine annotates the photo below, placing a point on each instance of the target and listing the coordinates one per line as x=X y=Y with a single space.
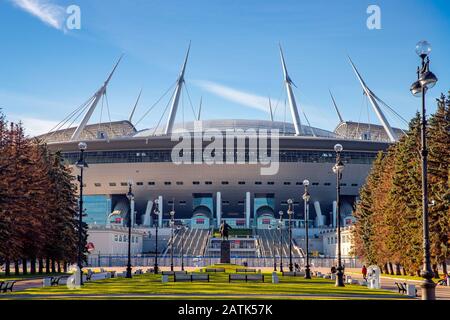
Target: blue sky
x=47 y=71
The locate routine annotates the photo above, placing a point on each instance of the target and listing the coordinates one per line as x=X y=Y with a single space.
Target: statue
x=373 y=277
x=224 y=227
x=74 y=281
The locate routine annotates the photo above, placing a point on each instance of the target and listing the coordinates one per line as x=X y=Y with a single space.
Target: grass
x=143 y=286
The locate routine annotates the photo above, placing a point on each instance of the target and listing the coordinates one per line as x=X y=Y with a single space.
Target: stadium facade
x=202 y=194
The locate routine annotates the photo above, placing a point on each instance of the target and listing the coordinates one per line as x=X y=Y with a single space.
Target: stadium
x=203 y=194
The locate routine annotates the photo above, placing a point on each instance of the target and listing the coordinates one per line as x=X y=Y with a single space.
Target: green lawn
x=144 y=285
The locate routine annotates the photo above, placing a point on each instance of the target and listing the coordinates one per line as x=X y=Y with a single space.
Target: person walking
x=364 y=272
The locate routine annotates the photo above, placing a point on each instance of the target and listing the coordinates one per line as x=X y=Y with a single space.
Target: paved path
x=387 y=283
x=203 y=296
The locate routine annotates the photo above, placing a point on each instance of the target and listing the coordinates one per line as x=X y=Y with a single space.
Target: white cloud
x=241 y=97
x=34 y=126
x=48 y=12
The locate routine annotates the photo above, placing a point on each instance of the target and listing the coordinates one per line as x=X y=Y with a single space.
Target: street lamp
x=306 y=197
x=156 y=212
x=130 y=197
x=280 y=227
x=274 y=252
x=184 y=229
x=82 y=165
x=290 y=212
x=425 y=80
x=171 y=223
x=337 y=169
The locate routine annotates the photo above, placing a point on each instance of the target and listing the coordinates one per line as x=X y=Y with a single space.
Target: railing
x=201 y=261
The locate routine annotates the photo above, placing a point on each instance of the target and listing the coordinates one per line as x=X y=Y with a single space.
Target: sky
x=47 y=70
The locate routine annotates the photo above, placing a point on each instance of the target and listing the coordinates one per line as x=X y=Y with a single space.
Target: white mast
x=97 y=96
x=336 y=107
x=271 y=110
x=292 y=104
x=387 y=127
x=176 y=96
x=135 y=105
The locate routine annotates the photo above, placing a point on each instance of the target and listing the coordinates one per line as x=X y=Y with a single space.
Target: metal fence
x=202 y=261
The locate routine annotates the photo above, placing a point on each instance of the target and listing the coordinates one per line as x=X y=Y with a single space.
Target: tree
x=439 y=187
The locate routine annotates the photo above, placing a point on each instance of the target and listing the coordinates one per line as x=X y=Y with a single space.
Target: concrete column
x=247 y=210
x=161 y=210
x=219 y=208
x=319 y=215
x=132 y=214
x=334 y=213
x=148 y=213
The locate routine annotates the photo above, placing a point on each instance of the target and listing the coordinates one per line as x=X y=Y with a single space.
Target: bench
x=182 y=277
x=7 y=286
x=246 y=277
x=89 y=276
x=54 y=281
x=293 y=274
x=401 y=287
x=171 y=273
x=246 y=270
x=215 y=270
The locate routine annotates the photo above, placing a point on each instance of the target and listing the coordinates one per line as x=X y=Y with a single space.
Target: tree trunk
x=16 y=268
x=397 y=269
x=391 y=269
x=58 y=264
x=418 y=273
x=24 y=266
x=7 y=268
x=444 y=267
x=65 y=267
x=40 y=265
x=404 y=271
x=53 y=266
x=33 y=266
x=386 y=271
x=47 y=265
x=436 y=271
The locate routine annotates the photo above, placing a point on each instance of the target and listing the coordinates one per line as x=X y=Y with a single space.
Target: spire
x=97 y=96
x=292 y=104
x=373 y=101
x=200 y=109
x=135 y=105
x=271 y=110
x=336 y=107
x=176 y=95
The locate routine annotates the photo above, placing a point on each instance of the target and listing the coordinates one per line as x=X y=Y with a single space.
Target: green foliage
x=38 y=203
x=389 y=215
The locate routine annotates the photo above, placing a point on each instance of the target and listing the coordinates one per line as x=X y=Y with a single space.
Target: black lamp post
x=274 y=252
x=172 y=224
x=184 y=229
x=81 y=164
x=337 y=169
x=156 y=211
x=130 y=197
x=290 y=212
x=280 y=227
x=306 y=197
x=426 y=80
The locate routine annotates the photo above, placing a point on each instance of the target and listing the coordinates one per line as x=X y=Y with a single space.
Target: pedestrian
x=364 y=272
